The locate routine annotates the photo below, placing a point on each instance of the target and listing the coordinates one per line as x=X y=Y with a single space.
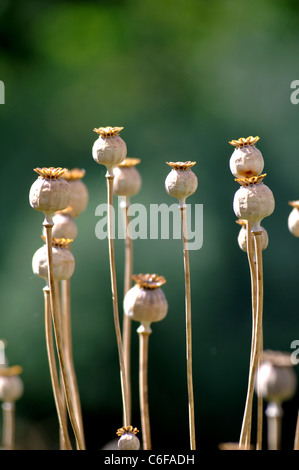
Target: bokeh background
x=183 y=77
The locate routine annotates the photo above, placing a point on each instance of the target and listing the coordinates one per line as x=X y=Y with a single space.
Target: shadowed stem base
x=144 y=331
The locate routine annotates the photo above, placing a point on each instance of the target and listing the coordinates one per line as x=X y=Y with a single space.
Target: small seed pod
x=246 y=160
x=109 y=149
x=253 y=201
x=293 y=219
x=127 y=179
x=128 y=439
x=276 y=379
x=11 y=385
x=79 y=193
x=242 y=237
x=181 y=182
x=49 y=193
x=64 y=226
x=146 y=302
x=63 y=260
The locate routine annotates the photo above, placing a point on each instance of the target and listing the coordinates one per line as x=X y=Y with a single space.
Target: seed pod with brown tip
x=146 y=302
x=246 y=160
x=181 y=182
x=109 y=149
x=49 y=193
x=253 y=201
x=11 y=385
x=63 y=260
x=79 y=194
x=127 y=179
x=128 y=439
x=64 y=226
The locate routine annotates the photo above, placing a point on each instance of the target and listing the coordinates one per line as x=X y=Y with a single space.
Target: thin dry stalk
x=65 y=443
x=296 y=441
x=188 y=328
x=59 y=340
x=143 y=388
x=246 y=424
x=8 y=414
x=67 y=342
x=123 y=377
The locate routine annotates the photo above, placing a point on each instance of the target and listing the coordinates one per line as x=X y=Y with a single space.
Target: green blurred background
x=183 y=77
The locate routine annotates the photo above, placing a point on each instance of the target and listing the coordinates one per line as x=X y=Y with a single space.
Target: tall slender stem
x=123 y=377
x=274 y=415
x=59 y=339
x=296 y=441
x=127 y=322
x=67 y=340
x=257 y=342
x=144 y=332
x=62 y=418
x=8 y=413
x=188 y=327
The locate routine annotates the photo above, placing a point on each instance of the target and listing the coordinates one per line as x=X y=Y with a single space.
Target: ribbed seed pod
x=246 y=160
x=146 y=302
x=242 y=237
x=293 y=219
x=128 y=439
x=64 y=226
x=253 y=201
x=63 y=260
x=181 y=182
x=109 y=149
x=127 y=179
x=79 y=193
x=49 y=193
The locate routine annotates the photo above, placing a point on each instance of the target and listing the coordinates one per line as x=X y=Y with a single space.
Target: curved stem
x=59 y=339
x=143 y=385
x=257 y=342
x=64 y=437
x=8 y=413
x=188 y=328
x=127 y=322
x=123 y=378
x=67 y=337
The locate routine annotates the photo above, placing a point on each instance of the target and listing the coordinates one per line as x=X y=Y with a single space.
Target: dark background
x=183 y=77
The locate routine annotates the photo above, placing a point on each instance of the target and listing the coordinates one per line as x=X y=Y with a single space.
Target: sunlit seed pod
x=146 y=302
x=64 y=226
x=293 y=219
x=127 y=180
x=246 y=160
x=49 y=193
x=128 y=441
x=276 y=378
x=11 y=388
x=63 y=260
x=79 y=193
x=109 y=149
x=181 y=182
x=253 y=201
x=242 y=238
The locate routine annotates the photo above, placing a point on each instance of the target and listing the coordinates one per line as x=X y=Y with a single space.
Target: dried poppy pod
x=242 y=237
x=293 y=219
x=246 y=160
x=128 y=439
x=79 y=193
x=181 y=182
x=127 y=179
x=146 y=302
x=253 y=201
x=11 y=385
x=109 y=149
x=49 y=193
x=63 y=260
x=64 y=226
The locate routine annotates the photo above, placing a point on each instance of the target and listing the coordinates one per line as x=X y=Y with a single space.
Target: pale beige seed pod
x=64 y=226
x=109 y=149
x=293 y=219
x=253 y=201
x=181 y=182
x=63 y=260
x=276 y=378
x=49 y=193
x=11 y=385
x=127 y=180
x=246 y=160
x=242 y=237
x=128 y=439
x=146 y=302
x=79 y=193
